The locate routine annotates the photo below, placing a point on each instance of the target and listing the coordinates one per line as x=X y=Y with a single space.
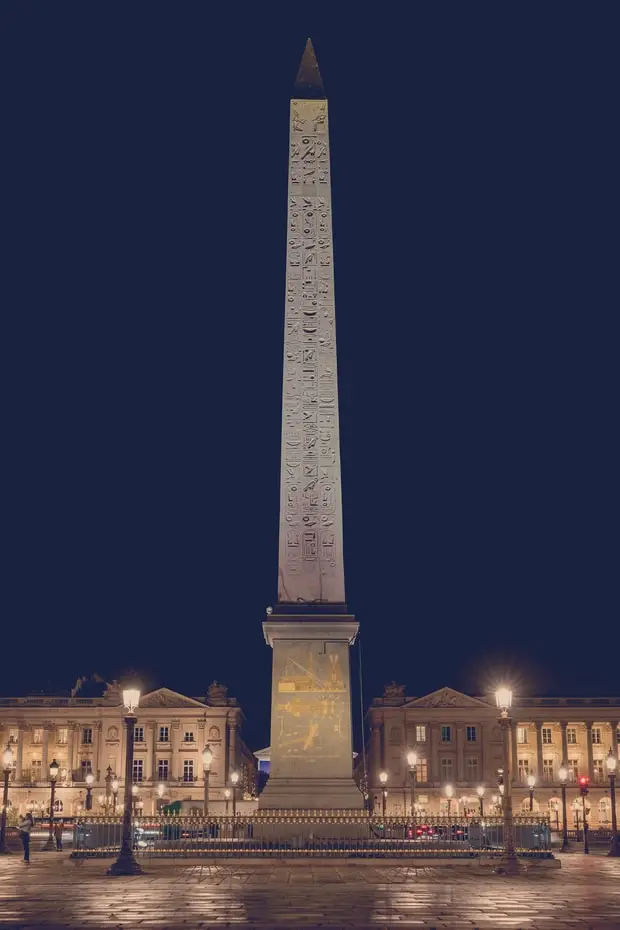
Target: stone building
x=86 y=734
x=458 y=741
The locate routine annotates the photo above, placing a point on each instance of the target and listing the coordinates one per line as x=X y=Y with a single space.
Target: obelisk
x=309 y=629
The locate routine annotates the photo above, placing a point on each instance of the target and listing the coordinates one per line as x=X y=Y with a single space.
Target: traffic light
x=584 y=785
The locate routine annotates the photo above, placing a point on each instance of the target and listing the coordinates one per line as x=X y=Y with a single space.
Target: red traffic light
x=584 y=780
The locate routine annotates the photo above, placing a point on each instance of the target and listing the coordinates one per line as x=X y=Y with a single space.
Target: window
x=85 y=768
x=446 y=770
x=396 y=735
x=572 y=770
x=87 y=736
x=188 y=736
x=547 y=769
x=58 y=806
x=420 y=734
x=472 y=769
x=445 y=734
x=470 y=733
x=37 y=735
x=162 y=769
x=524 y=770
x=597 y=769
x=596 y=735
x=13 y=734
x=138 y=734
x=547 y=735
x=604 y=810
x=522 y=735
x=163 y=734
x=618 y=736
x=188 y=769
x=571 y=736
x=35 y=770
x=61 y=735
x=138 y=769
x=421 y=770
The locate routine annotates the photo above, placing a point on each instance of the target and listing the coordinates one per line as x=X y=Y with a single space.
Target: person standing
x=58 y=828
x=25 y=826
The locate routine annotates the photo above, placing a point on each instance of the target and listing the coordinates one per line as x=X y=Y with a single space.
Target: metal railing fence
x=310 y=835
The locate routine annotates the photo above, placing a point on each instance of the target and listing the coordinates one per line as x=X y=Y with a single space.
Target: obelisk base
x=311 y=765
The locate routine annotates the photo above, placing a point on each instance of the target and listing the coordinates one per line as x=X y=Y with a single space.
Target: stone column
x=19 y=761
x=45 y=749
x=614 y=724
x=201 y=745
x=564 y=758
x=151 y=735
x=174 y=745
x=375 y=754
x=71 y=728
x=589 y=751
x=232 y=749
x=539 y=752
x=482 y=730
x=460 y=754
x=433 y=732
x=98 y=734
x=515 y=754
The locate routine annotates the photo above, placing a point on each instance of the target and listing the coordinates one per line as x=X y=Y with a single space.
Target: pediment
x=447 y=697
x=164 y=697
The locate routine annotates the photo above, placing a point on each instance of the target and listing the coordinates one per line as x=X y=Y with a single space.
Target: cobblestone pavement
x=54 y=892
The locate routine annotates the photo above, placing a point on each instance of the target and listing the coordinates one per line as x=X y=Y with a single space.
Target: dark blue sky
x=475 y=184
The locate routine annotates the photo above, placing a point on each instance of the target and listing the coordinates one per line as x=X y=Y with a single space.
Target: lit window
x=188 y=736
x=188 y=770
x=162 y=769
x=522 y=735
x=597 y=768
x=524 y=770
x=85 y=768
x=58 y=806
x=445 y=734
x=573 y=769
x=35 y=770
x=446 y=770
x=547 y=769
x=87 y=736
x=138 y=734
x=421 y=770
x=472 y=769
x=61 y=735
x=13 y=734
x=138 y=769
x=571 y=736
x=547 y=735
x=163 y=734
x=596 y=735
x=420 y=734
x=37 y=735
x=470 y=733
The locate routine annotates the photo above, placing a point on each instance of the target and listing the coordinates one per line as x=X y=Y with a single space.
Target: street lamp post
x=563 y=775
x=134 y=797
x=49 y=844
x=612 y=763
x=207 y=759
x=126 y=863
x=412 y=761
x=383 y=777
x=90 y=778
x=449 y=790
x=584 y=787
x=108 y=783
x=7 y=762
x=114 y=787
x=480 y=793
x=531 y=782
x=227 y=797
x=510 y=862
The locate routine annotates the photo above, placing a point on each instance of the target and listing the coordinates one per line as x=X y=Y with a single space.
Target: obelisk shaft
x=310 y=567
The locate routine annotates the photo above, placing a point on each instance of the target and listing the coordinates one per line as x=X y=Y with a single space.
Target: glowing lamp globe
x=131 y=698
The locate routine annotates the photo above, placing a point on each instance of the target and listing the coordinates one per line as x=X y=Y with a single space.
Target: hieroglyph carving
x=310 y=555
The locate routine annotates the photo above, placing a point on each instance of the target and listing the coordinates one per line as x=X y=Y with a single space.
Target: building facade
x=87 y=734
x=458 y=742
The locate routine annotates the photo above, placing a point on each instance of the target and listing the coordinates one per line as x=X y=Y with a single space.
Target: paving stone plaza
x=55 y=892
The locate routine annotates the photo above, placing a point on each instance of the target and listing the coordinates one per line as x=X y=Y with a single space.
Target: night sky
x=475 y=184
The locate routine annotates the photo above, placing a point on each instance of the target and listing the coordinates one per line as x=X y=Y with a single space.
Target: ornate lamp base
x=510 y=865
x=125 y=865
x=615 y=848
x=49 y=845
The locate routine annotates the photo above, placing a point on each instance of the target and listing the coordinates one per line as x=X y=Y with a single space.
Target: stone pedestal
x=311 y=746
